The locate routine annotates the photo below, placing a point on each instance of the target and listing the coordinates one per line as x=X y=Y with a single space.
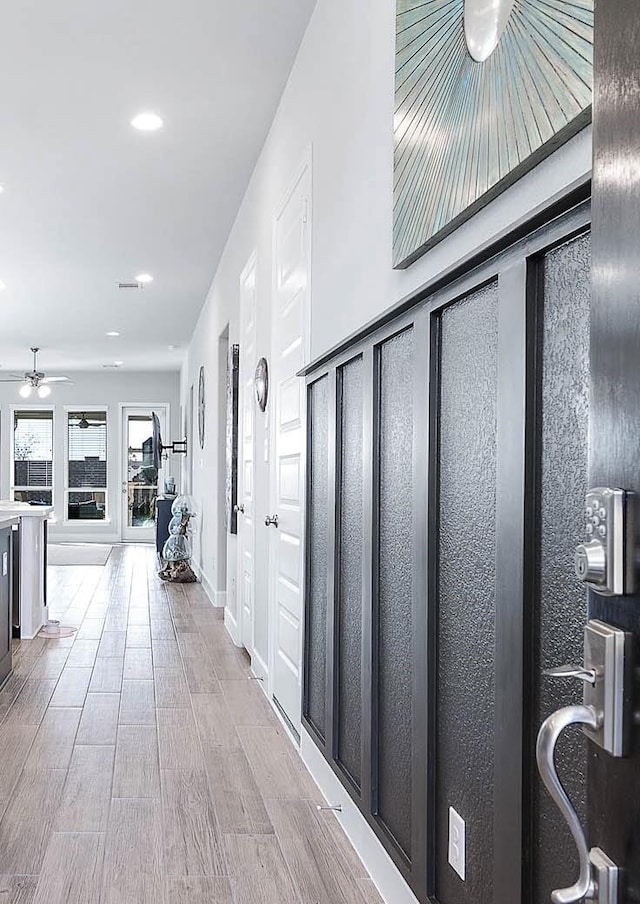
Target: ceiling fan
x=83 y=423
x=34 y=380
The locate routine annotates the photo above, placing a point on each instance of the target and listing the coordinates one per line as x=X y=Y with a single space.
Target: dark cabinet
x=163 y=517
x=6 y=595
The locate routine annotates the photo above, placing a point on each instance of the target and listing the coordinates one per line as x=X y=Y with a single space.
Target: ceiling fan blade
x=56 y=380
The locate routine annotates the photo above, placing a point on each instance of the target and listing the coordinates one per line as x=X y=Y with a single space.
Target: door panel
x=289 y=345
x=317 y=537
x=563 y=312
x=394 y=573
x=349 y=588
x=247 y=452
x=141 y=482
x=466 y=589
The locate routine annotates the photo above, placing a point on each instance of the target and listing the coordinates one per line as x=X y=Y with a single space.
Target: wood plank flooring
x=139 y=765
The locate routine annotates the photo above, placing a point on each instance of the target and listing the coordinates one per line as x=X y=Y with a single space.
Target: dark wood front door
x=613 y=822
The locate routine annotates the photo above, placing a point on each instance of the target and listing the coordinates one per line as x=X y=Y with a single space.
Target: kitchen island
x=30 y=557
x=7 y=523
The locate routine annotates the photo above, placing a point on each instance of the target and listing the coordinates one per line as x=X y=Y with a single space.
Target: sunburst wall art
x=484 y=90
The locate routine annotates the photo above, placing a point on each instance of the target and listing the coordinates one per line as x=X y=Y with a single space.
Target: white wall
x=92 y=391
x=339 y=102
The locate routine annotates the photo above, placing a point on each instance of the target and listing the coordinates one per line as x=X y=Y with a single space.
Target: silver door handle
x=271 y=519
x=550 y=731
x=239 y=509
x=572 y=671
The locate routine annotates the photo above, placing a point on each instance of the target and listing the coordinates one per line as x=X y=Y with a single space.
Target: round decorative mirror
x=261 y=383
x=201 y=407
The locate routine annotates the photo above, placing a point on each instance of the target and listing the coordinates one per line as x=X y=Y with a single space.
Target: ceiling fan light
x=44 y=391
x=25 y=390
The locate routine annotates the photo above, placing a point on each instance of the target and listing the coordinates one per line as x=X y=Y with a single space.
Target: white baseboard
x=208 y=589
x=259 y=669
x=219 y=599
x=386 y=877
x=231 y=625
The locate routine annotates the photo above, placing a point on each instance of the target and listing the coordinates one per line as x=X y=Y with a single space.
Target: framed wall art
x=202 y=408
x=484 y=91
x=231 y=477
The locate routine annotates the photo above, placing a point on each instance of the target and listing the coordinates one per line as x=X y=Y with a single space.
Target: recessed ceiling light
x=147 y=122
x=144 y=278
x=118 y=363
x=113 y=333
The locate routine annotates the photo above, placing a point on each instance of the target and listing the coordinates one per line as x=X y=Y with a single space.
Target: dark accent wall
x=436 y=444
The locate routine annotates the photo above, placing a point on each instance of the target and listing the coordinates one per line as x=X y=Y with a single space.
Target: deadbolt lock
x=591 y=562
x=605 y=560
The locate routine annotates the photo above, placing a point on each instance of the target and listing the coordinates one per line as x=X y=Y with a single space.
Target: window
x=33 y=457
x=86 y=490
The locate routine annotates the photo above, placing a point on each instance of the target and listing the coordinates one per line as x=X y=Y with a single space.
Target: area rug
x=78 y=553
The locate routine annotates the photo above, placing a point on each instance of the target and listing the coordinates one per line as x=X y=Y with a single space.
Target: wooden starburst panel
x=466 y=130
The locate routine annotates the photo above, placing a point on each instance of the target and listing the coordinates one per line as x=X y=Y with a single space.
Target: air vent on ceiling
x=130 y=285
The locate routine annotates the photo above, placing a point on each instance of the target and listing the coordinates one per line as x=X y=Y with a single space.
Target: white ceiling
x=89 y=201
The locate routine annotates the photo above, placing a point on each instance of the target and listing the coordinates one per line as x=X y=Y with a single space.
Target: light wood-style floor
x=138 y=762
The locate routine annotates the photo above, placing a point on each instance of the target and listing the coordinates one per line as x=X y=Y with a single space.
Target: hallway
x=138 y=762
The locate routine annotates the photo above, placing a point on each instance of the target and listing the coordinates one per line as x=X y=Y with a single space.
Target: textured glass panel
x=395 y=586
x=318 y=522
x=561 y=607
x=466 y=590
x=350 y=573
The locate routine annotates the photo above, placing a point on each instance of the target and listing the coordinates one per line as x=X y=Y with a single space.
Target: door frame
x=304 y=170
x=513 y=263
x=246 y=366
x=122 y=468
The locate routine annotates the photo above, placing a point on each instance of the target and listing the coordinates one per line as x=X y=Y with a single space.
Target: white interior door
x=246 y=500
x=292 y=247
x=141 y=482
